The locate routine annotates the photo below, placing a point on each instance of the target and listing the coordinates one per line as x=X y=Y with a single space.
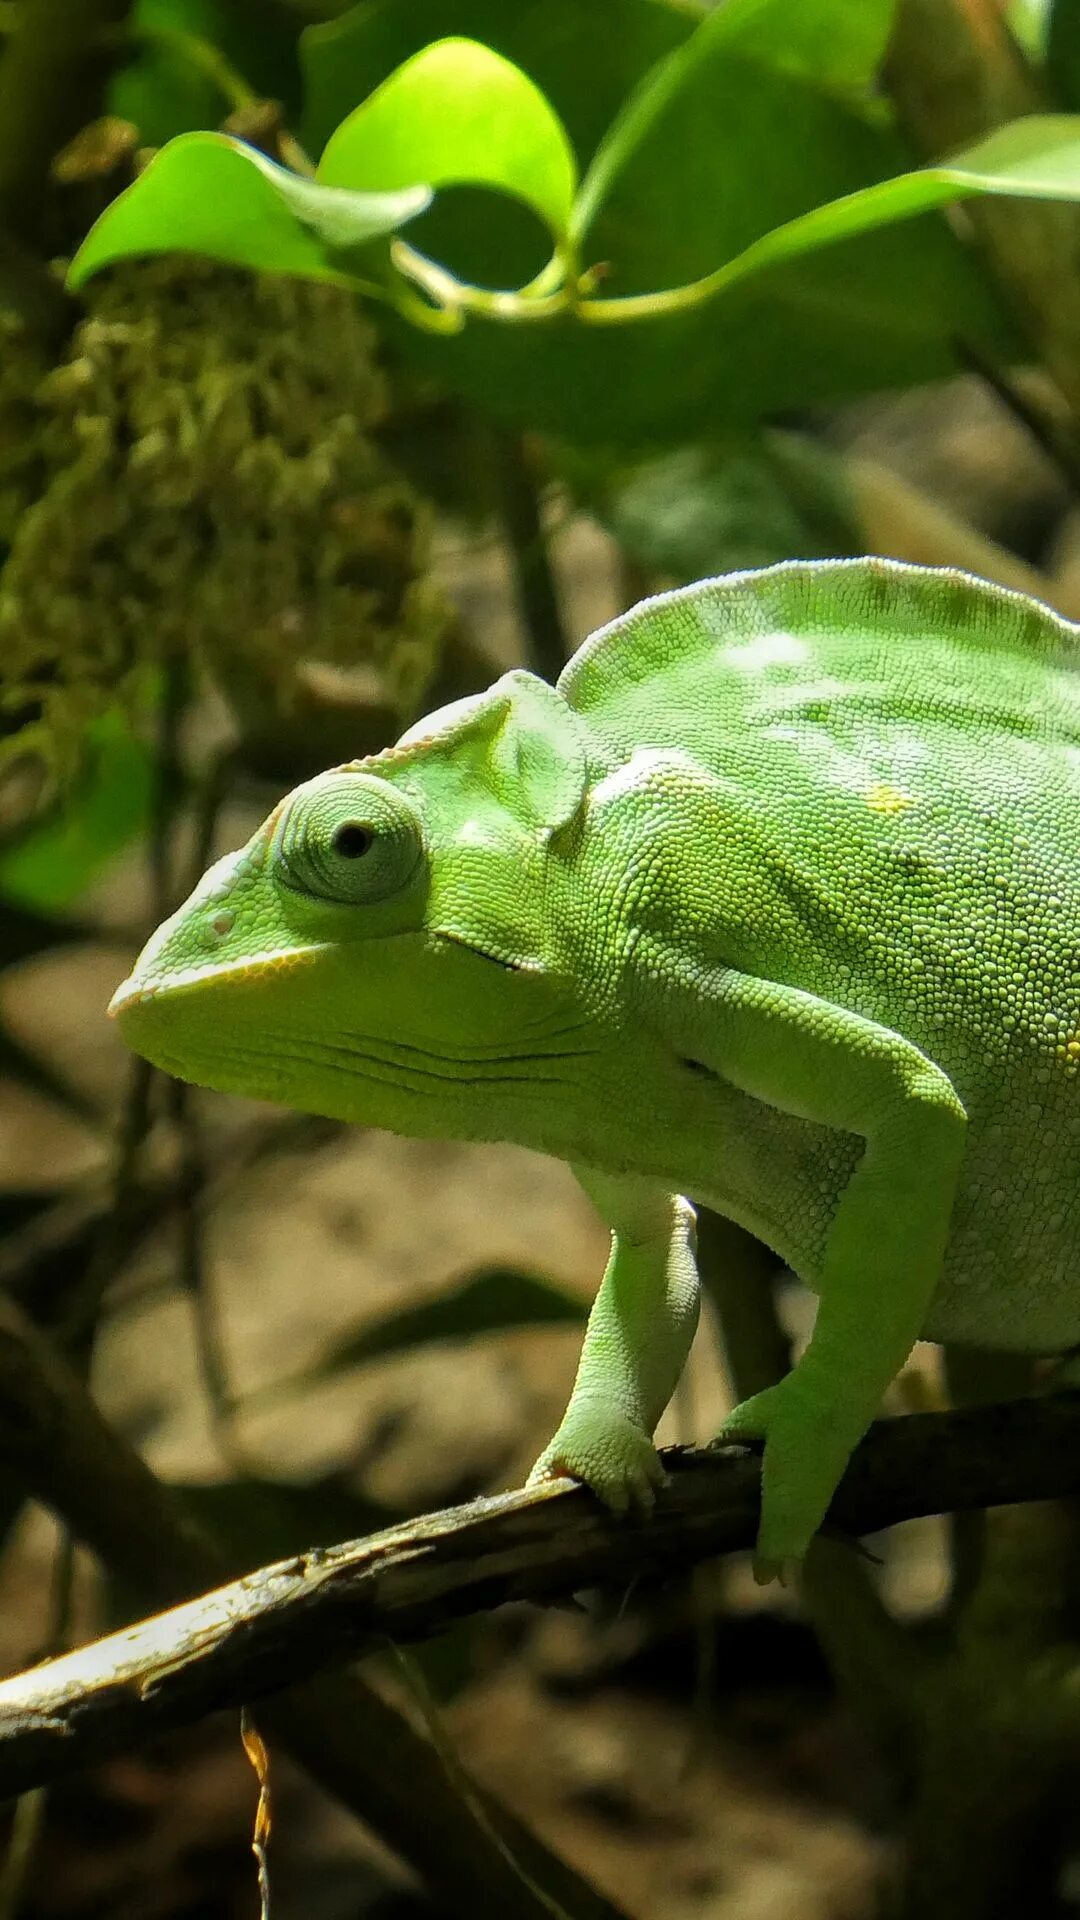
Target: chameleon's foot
x=609 y=1453
x=807 y=1446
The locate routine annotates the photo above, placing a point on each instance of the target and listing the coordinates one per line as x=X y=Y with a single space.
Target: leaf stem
x=199 y=54
x=991 y=168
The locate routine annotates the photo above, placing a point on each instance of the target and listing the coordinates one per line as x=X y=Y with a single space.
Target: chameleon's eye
x=348 y=838
x=352 y=840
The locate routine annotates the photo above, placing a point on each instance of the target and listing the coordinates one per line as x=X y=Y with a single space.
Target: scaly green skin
x=773 y=902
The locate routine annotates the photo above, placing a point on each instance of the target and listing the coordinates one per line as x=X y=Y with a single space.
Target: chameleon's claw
x=609 y=1454
x=765 y=1571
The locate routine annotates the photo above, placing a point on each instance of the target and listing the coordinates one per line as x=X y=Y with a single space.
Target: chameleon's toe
x=766 y=1571
x=609 y=1453
x=807 y=1447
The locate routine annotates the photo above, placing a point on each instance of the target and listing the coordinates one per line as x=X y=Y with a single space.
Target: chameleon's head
x=380 y=949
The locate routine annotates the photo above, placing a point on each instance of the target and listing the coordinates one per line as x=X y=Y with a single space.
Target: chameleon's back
x=897 y=762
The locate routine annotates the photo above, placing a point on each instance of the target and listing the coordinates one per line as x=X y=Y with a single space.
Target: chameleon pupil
x=352 y=840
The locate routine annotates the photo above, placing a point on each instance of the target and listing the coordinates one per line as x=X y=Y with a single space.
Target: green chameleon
x=774 y=901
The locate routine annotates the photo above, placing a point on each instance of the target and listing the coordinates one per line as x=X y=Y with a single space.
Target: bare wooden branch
x=287 y=1621
x=56 y=1445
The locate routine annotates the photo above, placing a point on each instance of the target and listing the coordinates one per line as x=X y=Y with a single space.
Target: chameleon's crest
x=802 y=598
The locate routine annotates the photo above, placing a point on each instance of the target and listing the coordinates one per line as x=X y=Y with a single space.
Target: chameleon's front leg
x=635 y=1348
x=885 y=1249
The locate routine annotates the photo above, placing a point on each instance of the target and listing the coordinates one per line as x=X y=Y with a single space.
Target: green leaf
x=209 y=194
x=743 y=146
x=1034 y=158
x=456 y=114
x=583 y=57
x=486 y=1302
x=49 y=865
x=832 y=43
x=737 y=150
x=657 y=90
x=835 y=43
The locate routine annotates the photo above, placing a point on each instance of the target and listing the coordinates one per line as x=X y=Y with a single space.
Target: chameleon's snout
x=128 y=994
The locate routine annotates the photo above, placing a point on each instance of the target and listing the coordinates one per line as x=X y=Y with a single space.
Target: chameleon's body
x=774 y=903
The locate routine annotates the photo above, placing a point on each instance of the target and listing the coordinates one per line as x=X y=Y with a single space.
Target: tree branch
x=287 y=1621
x=357 y=1746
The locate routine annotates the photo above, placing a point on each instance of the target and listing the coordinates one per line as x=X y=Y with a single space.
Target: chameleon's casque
x=774 y=902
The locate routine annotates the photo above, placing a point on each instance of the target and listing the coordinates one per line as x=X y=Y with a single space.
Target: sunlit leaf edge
x=289 y=223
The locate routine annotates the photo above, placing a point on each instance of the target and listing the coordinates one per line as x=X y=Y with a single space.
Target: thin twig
x=255 y=1748
x=192 y=1269
x=26 y=1826
x=413 y=1676
x=105 y=1260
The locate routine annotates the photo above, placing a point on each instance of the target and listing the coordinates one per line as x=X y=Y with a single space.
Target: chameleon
x=771 y=904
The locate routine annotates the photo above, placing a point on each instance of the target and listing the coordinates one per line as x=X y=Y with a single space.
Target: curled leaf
x=210 y=194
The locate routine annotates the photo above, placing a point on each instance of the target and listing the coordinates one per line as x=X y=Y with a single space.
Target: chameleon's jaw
x=404 y=1033
x=201 y=1022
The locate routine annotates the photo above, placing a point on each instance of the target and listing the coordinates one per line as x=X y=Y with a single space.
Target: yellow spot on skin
x=1068 y=1052
x=885 y=799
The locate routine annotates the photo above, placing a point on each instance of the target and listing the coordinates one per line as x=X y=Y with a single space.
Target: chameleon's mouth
x=137 y=991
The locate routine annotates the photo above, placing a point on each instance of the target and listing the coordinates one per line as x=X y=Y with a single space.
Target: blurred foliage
x=169 y=78
x=488 y=1301
x=746 y=500
x=1061 y=26
x=51 y=863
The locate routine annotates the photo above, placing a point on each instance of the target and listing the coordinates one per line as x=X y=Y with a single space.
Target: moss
x=198 y=478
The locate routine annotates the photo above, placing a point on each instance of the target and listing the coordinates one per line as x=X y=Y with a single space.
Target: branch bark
x=285 y=1622
x=358 y=1747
